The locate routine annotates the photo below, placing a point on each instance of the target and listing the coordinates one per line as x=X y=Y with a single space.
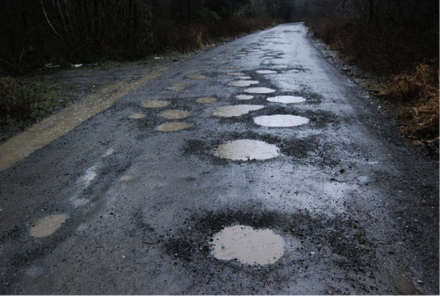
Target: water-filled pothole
x=48 y=225
x=243 y=83
x=280 y=120
x=266 y=72
x=259 y=90
x=244 y=77
x=247 y=245
x=206 y=100
x=178 y=87
x=286 y=99
x=175 y=114
x=137 y=116
x=237 y=74
x=244 y=97
x=156 y=104
x=247 y=150
x=173 y=126
x=235 y=110
x=197 y=77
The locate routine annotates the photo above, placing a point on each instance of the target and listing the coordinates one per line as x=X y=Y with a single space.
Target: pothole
x=48 y=225
x=235 y=110
x=259 y=90
x=137 y=116
x=243 y=83
x=197 y=77
x=175 y=114
x=127 y=178
x=156 y=104
x=173 y=126
x=244 y=97
x=365 y=180
x=237 y=74
x=281 y=120
x=244 y=77
x=248 y=150
x=247 y=245
x=286 y=99
x=266 y=72
x=206 y=100
x=178 y=87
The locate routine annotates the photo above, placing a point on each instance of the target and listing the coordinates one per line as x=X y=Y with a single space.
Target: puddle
x=48 y=225
x=156 y=104
x=137 y=116
x=244 y=97
x=259 y=90
x=247 y=150
x=266 y=72
x=286 y=99
x=281 y=120
x=243 y=83
x=173 y=126
x=198 y=77
x=62 y=122
x=206 y=100
x=237 y=74
x=235 y=110
x=365 y=180
x=247 y=245
x=229 y=67
x=127 y=178
x=178 y=87
x=244 y=77
x=175 y=114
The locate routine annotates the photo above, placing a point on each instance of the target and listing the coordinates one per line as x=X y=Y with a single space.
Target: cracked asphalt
x=128 y=199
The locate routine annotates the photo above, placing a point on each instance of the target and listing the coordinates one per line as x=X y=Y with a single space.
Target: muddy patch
x=206 y=100
x=175 y=114
x=173 y=126
x=235 y=110
x=137 y=116
x=156 y=104
x=281 y=120
x=286 y=99
x=178 y=87
x=247 y=245
x=48 y=225
x=259 y=90
x=245 y=150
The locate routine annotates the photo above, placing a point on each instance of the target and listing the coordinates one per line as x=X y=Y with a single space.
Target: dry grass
x=417 y=94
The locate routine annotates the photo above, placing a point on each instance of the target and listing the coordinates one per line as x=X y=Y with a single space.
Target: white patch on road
x=259 y=90
x=247 y=150
x=286 y=99
x=281 y=120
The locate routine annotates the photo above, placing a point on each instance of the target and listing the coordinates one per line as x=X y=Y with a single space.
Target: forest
x=397 y=39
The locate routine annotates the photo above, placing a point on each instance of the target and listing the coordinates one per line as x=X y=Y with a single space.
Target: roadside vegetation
x=396 y=40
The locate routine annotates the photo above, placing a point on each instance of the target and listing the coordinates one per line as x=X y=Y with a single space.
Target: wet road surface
x=255 y=167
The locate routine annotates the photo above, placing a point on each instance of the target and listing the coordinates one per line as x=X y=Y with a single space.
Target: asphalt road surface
x=256 y=167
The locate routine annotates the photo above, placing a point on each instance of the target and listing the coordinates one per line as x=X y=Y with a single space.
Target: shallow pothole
x=286 y=99
x=247 y=245
x=235 y=110
x=48 y=225
x=248 y=150
x=156 y=104
x=178 y=87
x=266 y=72
x=137 y=116
x=280 y=120
x=243 y=83
x=206 y=100
x=244 y=97
x=259 y=90
x=173 y=126
x=237 y=74
x=175 y=114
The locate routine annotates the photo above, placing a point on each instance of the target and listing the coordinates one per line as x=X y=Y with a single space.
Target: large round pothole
x=248 y=150
x=280 y=120
x=247 y=245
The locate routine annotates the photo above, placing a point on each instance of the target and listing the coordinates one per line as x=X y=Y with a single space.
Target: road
x=304 y=186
